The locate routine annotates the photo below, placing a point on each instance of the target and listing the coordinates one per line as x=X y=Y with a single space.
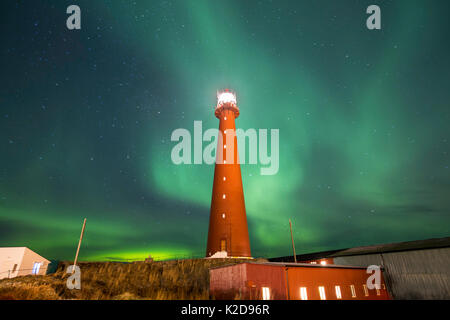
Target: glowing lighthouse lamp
x=226 y=99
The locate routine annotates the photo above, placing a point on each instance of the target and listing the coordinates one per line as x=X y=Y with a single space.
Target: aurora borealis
x=86 y=118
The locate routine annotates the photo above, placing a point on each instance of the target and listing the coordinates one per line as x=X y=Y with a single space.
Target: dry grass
x=165 y=280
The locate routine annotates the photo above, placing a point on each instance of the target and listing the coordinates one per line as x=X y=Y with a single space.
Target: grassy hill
x=160 y=280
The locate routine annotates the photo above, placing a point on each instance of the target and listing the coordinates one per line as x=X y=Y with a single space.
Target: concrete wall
x=415 y=274
x=9 y=257
x=29 y=259
x=19 y=261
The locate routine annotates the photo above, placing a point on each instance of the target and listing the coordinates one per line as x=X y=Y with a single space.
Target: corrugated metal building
x=413 y=270
x=289 y=281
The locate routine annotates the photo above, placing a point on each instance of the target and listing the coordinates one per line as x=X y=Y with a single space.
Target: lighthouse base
x=224 y=255
x=219 y=255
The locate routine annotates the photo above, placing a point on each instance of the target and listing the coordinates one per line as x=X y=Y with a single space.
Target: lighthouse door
x=223 y=245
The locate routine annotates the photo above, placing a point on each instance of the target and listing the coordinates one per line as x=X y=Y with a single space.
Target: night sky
x=86 y=118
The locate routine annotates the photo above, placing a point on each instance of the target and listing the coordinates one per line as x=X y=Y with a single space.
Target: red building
x=228 y=231
x=293 y=281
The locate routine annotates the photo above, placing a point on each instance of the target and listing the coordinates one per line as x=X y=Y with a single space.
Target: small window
x=224 y=161
x=36 y=267
x=324 y=263
x=338 y=292
x=313 y=262
x=322 y=293
x=225 y=119
x=303 y=293
x=224 y=178
x=366 y=292
x=352 y=288
x=225 y=146
x=224 y=196
x=223 y=215
x=266 y=293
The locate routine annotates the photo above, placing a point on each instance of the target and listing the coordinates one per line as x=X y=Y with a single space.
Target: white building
x=21 y=261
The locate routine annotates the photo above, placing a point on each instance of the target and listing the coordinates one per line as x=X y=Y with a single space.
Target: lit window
x=224 y=161
x=224 y=178
x=323 y=263
x=322 y=293
x=225 y=118
x=313 y=262
x=352 y=287
x=225 y=146
x=36 y=267
x=225 y=130
x=338 y=292
x=224 y=196
x=223 y=215
x=303 y=293
x=266 y=293
x=366 y=292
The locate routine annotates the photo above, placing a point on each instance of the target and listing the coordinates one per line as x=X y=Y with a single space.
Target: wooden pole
x=79 y=245
x=292 y=237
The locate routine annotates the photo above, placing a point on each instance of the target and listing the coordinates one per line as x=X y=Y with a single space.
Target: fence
x=16 y=272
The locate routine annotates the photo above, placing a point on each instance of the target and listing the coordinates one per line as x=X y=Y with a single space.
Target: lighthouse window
x=224 y=196
x=225 y=118
x=225 y=146
x=225 y=130
x=223 y=215
x=224 y=178
x=224 y=161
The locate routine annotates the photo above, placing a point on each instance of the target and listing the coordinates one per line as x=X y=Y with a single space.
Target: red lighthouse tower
x=228 y=230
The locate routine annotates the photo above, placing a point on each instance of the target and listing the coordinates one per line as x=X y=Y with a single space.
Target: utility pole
x=79 y=245
x=292 y=237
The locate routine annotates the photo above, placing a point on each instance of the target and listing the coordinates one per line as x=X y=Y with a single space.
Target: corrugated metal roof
x=308 y=265
x=394 y=247
x=380 y=248
x=292 y=265
x=306 y=257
